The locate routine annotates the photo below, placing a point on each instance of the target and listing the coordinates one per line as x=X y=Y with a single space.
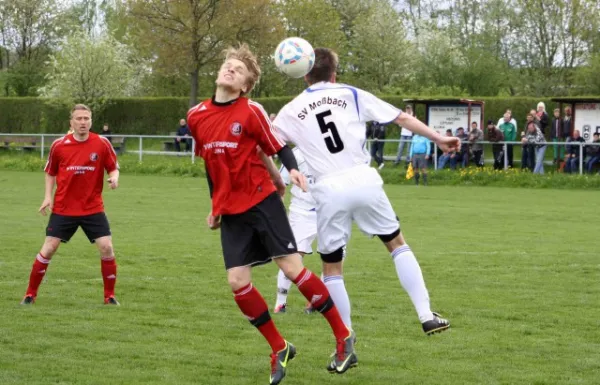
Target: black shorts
x=63 y=227
x=256 y=236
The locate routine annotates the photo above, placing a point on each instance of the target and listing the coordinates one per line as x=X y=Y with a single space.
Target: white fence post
x=141 y=148
x=505 y=146
x=193 y=150
x=435 y=159
x=580 y=158
x=42 y=147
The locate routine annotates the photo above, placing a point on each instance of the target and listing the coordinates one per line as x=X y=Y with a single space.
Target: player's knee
x=237 y=280
x=106 y=249
x=334 y=257
x=50 y=247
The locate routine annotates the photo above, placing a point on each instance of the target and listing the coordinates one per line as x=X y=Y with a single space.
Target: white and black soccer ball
x=294 y=57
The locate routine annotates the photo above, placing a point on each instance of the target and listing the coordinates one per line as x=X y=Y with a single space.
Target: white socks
x=411 y=278
x=339 y=295
x=283 y=287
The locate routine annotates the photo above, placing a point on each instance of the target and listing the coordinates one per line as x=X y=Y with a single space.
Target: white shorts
x=304 y=227
x=353 y=195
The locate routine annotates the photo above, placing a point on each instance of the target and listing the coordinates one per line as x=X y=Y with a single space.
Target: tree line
x=95 y=50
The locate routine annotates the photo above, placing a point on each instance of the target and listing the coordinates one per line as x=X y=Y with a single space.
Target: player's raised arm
x=446 y=143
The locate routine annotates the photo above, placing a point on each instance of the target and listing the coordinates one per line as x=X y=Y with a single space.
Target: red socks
x=38 y=271
x=254 y=307
x=109 y=275
x=316 y=292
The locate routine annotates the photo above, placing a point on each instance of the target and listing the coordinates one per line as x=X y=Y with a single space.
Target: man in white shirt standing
x=405 y=139
x=327 y=123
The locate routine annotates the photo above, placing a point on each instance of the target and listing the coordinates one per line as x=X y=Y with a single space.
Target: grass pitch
x=516 y=272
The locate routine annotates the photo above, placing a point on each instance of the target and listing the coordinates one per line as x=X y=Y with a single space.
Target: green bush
x=161 y=115
x=182 y=166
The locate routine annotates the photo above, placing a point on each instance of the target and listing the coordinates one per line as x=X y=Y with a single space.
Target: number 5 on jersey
x=330 y=133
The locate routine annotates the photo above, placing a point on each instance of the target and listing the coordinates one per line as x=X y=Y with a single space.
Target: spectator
x=567 y=123
x=447 y=156
x=534 y=138
x=475 y=138
x=527 y=149
x=495 y=136
x=542 y=117
x=419 y=155
x=556 y=135
x=573 y=151
x=106 y=132
x=594 y=153
x=405 y=137
x=508 y=126
x=463 y=155
x=183 y=134
x=377 y=132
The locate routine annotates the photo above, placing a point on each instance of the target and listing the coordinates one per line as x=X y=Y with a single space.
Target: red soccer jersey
x=79 y=171
x=227 y=136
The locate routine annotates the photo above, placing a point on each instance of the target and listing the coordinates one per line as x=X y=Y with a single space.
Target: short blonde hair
x=80 y=107
x=243 y=54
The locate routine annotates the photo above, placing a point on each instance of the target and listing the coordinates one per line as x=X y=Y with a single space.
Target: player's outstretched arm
x=50 y=181
x=113 y=179
x=273 y=171
x=289 y=162
x=446 y=143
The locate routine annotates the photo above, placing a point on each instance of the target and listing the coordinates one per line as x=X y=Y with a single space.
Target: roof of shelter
x=444 y=101
x=582 y=99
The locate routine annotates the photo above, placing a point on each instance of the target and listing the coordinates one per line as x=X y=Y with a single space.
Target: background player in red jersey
x=254 y=225
x=76 y=166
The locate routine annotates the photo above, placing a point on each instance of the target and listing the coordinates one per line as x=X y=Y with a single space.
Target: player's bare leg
x=108 y=268
x=283 y=287
x=39 y=268
x=316 y=292
x=254 y=307
x=411 y=278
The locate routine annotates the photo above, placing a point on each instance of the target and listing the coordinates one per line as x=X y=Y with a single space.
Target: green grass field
x=519 y=283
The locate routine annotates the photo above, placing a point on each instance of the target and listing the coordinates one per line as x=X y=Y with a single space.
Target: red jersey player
x=245 y=205
x=76 y=165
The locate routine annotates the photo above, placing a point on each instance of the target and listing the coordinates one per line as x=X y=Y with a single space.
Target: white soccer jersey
x=300 y=199
x=327 y=121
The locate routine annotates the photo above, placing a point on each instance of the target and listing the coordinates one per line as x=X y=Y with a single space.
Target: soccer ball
x=294 y=57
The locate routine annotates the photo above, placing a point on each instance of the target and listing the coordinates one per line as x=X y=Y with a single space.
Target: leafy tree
x=91 y=71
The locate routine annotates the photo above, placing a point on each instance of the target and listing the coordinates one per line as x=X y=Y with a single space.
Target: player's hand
x=213 y=222
x=113 y=182
x=448 y=143
x=280 y=187
x=46 y=204
x=297 y=178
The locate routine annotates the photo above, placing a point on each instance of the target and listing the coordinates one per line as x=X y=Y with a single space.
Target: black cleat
x=279 y=363
x=28 y=300
x=344 y=357
x=436 y=325
x=111 y=301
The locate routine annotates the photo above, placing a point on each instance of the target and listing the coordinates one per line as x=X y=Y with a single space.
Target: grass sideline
x=518 y=282
x=182 y=166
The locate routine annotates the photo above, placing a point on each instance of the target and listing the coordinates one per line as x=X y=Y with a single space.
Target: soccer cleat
x=280 y=308
x=344 y=357
x=436 y=325
x=279 y=363
x=309 y=309
x=111 y=301
x=28 y=300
